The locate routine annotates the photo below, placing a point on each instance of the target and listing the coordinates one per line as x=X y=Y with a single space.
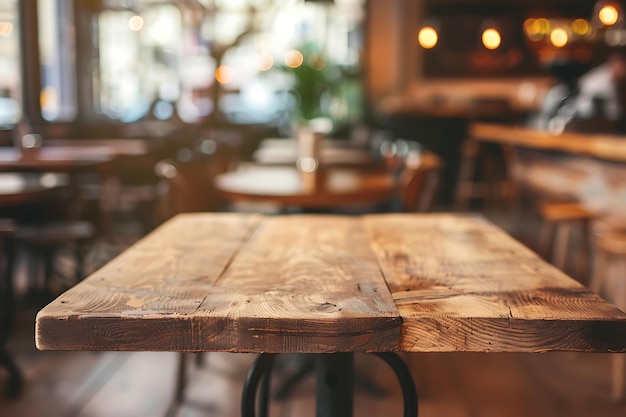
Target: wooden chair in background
x=558 y=219
x=53 y=234
x=14 y=383
x=420 y=182
x=187 y=179
x=484 y=174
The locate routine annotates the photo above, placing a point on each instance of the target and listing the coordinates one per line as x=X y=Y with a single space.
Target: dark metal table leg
x=409 y=392
x=306 y=367
x=335 y=384
x=258 y=375
x=264 y=394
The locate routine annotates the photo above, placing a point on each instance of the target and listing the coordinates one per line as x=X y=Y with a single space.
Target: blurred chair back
x=420 y=181
x=187 y=180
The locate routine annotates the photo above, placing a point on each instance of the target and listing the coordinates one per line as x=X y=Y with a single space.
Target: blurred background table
x=53 y=159
x=287 y=186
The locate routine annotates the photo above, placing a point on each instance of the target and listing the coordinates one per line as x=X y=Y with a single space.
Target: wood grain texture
x=232 y=283
x=306 y=283
x=462 y=284
x=145 y=299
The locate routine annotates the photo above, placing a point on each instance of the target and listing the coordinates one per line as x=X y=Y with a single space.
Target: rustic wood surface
x=604 y=146
x=462 y=284
x=232 y=283
x=305 y=283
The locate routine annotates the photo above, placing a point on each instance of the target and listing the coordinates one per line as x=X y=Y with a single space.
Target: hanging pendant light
x=607 y=14
x=490 y=36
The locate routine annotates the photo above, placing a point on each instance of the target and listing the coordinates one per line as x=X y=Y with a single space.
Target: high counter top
x=599 y=145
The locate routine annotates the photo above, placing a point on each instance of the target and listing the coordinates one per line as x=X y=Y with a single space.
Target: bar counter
x=575 y=166
x=604 y=146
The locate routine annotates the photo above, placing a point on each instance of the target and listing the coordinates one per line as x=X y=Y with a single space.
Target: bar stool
x=496 y=183
x=558 y=218
x=611 y=253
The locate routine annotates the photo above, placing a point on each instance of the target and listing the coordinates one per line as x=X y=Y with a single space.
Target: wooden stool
x=496 y=183
x=611 y=252
x=558 y=219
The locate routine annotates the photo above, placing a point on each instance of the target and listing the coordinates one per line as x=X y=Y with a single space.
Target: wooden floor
x=120 y=384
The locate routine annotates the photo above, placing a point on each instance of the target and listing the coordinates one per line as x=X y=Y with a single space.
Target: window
x=193 y=60
x=10 y=81
x=57 y=60
x=140 y=58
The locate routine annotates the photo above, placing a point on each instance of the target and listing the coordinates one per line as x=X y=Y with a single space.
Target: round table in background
x=287 y=186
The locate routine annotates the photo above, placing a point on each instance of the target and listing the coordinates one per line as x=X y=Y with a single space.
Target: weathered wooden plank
x=232 y=283
x=309 y=284
x=461 y=284
x=146 y=297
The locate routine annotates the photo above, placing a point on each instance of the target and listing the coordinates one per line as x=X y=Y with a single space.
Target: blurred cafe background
x=116 y=115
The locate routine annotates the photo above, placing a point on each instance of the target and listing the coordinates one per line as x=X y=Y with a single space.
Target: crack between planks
x=247 y=238
x=374 y=252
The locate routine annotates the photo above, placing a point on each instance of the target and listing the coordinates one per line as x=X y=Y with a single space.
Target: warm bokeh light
x=135 y=23
x=266 y=61
x=543 y=25
x=294 y=58
x=6 y=28
x=534 y=28
x=491 y=39
x=608 y=15
x=531 y=26
x=223 y=74
x=580 y=26
x=559 y=37
x=48 y=97
x=427 y=37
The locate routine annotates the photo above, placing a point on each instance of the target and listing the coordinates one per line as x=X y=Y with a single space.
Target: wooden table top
x=112 y=147
x=26 y=187
x=287 y=186
x=321 y=283
x=603 y=146
x=54 y=158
